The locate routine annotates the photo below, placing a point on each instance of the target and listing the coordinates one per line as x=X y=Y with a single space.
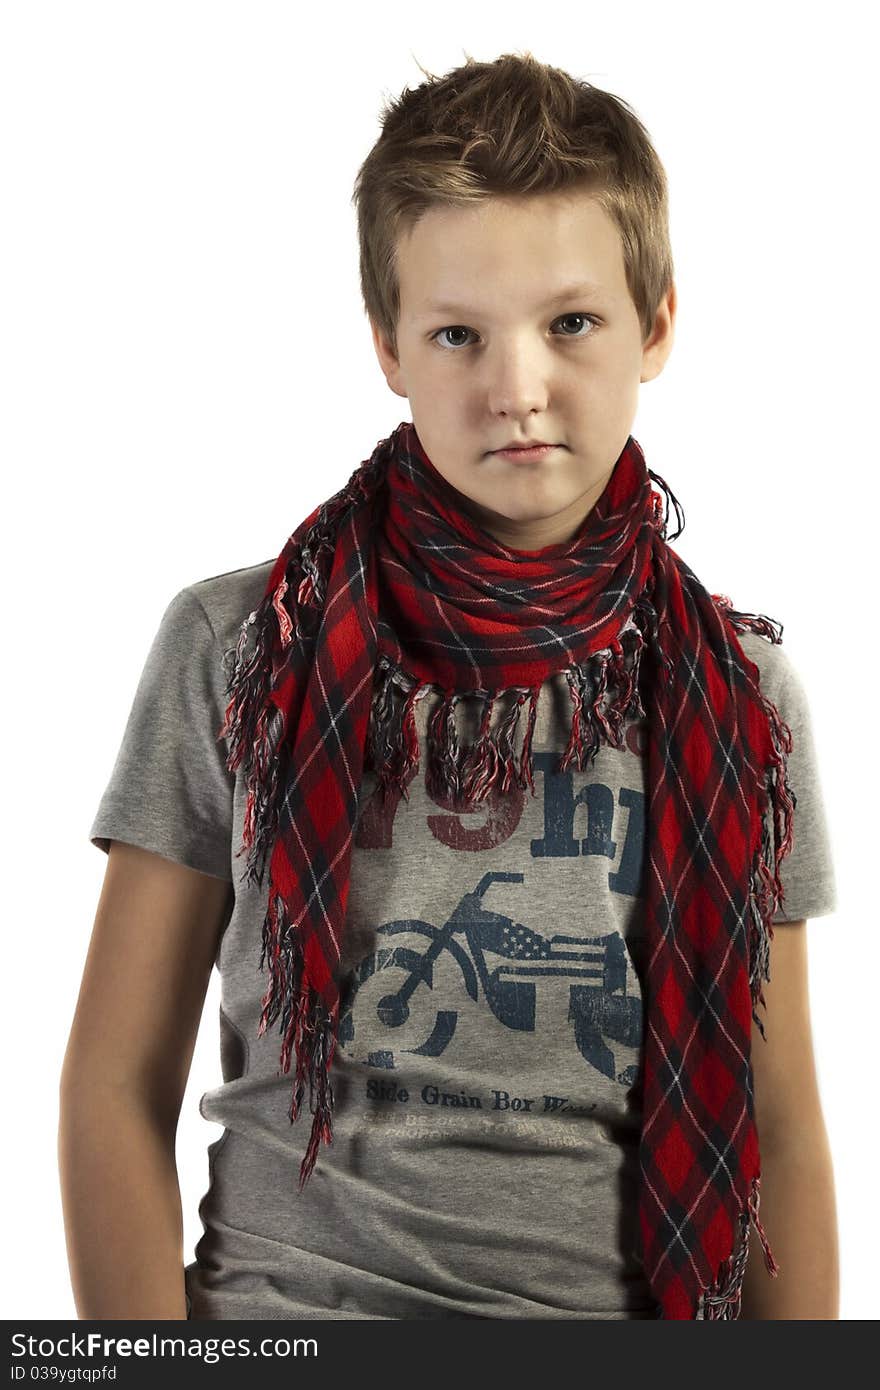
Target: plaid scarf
x=389 y=587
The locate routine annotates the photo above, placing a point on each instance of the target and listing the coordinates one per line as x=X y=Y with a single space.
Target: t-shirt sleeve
x=170 y=790
x=807 y=871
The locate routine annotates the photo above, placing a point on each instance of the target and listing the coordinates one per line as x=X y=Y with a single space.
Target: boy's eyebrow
x=568 y=292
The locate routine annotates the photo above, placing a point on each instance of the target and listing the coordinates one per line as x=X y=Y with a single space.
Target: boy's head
x=489 y=192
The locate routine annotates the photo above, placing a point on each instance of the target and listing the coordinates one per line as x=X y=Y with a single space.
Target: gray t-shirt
x=485 y=1153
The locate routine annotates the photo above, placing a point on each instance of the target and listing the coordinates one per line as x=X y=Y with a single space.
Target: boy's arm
x=125 y=1071
x=797 y=1209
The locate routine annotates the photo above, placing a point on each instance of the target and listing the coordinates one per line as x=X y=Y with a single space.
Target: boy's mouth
x=527 y=452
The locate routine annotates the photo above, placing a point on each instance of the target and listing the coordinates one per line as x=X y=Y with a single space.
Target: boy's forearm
x=798 y=1213
x=121 y=1203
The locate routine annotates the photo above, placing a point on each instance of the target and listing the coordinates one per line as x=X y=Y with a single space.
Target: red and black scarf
x=389 y=587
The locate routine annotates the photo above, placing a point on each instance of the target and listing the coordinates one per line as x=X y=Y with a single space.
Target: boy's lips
x=519 y=452
x=525 y=444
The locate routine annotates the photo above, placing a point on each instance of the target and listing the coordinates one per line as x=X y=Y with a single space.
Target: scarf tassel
x=307 y=1027
x=466 y=777
x=767 y=891
x=392 y=746
x=723 y=1301
x=604 y=694
x=255 y=727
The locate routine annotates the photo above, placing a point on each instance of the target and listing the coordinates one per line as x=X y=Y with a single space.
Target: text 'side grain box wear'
x=487 y=1113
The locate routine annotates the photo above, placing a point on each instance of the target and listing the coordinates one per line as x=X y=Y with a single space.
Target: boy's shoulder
x=776 y=669
x=228 y=598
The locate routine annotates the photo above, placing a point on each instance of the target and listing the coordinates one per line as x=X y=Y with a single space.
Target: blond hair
x=513 y=127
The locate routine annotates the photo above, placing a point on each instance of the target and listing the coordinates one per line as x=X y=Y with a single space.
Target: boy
x=519 y=813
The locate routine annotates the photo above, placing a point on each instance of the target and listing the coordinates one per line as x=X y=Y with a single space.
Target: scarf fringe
x=723 y=1300
x=767 y=893
x=307 y=1027
x=392 y=747
x=255 y=729
x=604 y=692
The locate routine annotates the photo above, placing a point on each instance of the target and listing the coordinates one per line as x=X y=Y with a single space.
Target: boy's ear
x=387 y=360
x=658 y=346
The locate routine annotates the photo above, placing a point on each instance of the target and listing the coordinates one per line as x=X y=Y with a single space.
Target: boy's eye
x=460 y=328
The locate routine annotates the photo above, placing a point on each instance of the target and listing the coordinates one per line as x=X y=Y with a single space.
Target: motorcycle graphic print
x=399 y=973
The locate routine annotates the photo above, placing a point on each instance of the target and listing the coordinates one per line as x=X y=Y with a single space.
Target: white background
x=187 y=371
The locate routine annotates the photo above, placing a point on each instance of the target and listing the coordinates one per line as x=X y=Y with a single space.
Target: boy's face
x=506 y=357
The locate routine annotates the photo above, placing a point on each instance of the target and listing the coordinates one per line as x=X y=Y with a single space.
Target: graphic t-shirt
x=484 y=1160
